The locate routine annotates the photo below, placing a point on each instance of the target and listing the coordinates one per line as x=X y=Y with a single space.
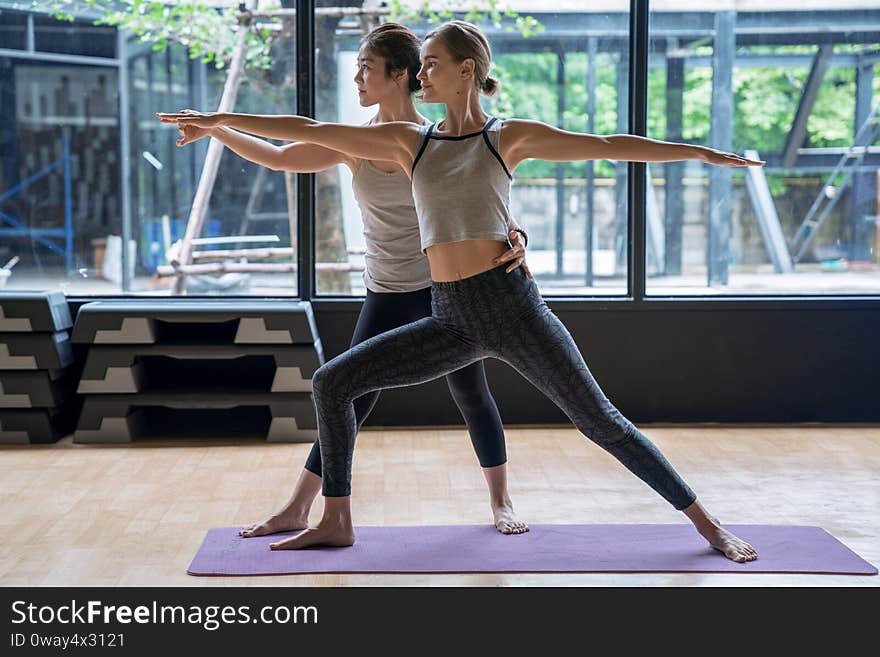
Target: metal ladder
x=831 y=193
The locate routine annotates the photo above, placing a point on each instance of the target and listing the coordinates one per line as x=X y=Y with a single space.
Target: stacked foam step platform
x=38 y=403
x=192 y=368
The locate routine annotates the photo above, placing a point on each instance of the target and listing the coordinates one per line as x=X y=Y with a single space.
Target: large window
x=799 y=88
x=84 y=167
x=572 y=72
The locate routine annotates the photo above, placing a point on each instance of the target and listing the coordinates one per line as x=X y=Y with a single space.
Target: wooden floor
x=135 y=515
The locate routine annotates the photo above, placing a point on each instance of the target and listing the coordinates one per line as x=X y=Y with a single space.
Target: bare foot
x=730 y=546
x=506 y=520
x=283 y=521
x=295 y=512
x=329 y=536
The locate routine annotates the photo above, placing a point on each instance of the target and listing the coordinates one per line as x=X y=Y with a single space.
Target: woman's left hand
x=191 y=117
x=721 y=158
x=517 y=254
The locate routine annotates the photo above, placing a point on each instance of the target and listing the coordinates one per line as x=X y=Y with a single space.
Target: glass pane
x=339 y=243
x=77 y=38
x=62 y=214
x=803 y=99
x=569 y=207
x=572 y=73
x=60 y=170
x=13 y=29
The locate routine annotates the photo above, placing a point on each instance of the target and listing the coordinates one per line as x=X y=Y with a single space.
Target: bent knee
x=325 y=378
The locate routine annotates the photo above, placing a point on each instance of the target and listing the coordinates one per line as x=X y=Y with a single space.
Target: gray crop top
x=461 y=187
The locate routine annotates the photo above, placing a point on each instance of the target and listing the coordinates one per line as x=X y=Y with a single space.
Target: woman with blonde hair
x=396 y=274
x=460 y=170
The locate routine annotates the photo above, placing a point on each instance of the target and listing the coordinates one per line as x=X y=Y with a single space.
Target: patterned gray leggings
x=493 y=314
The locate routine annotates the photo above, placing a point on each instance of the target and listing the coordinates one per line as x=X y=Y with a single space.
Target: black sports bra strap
x=492 y=148
x=424 y=145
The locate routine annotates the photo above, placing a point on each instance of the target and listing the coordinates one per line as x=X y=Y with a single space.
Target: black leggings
x=383 y=311
x=491 y=314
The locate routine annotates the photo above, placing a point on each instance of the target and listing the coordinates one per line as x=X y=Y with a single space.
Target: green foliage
x=492 y=11
x=208 y=33
x=211 y=33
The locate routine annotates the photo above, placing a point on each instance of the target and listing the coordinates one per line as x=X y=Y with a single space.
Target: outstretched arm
x=395 y=141
x=297 y=157
x=522 y=139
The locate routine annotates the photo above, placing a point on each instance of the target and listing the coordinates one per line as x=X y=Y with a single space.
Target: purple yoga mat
x=546 y=548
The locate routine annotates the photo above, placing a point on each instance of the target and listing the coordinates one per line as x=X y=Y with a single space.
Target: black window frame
x=636 y=297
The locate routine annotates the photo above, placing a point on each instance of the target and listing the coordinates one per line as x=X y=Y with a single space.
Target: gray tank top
x=461 y=187
x=393 y=261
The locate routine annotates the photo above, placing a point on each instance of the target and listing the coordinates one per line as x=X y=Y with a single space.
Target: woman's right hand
x=724 y=159
x=190 y=133
x=517 y=253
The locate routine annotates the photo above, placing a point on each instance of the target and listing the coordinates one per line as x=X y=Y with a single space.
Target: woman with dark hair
x=460 y=170
x=396 y=274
